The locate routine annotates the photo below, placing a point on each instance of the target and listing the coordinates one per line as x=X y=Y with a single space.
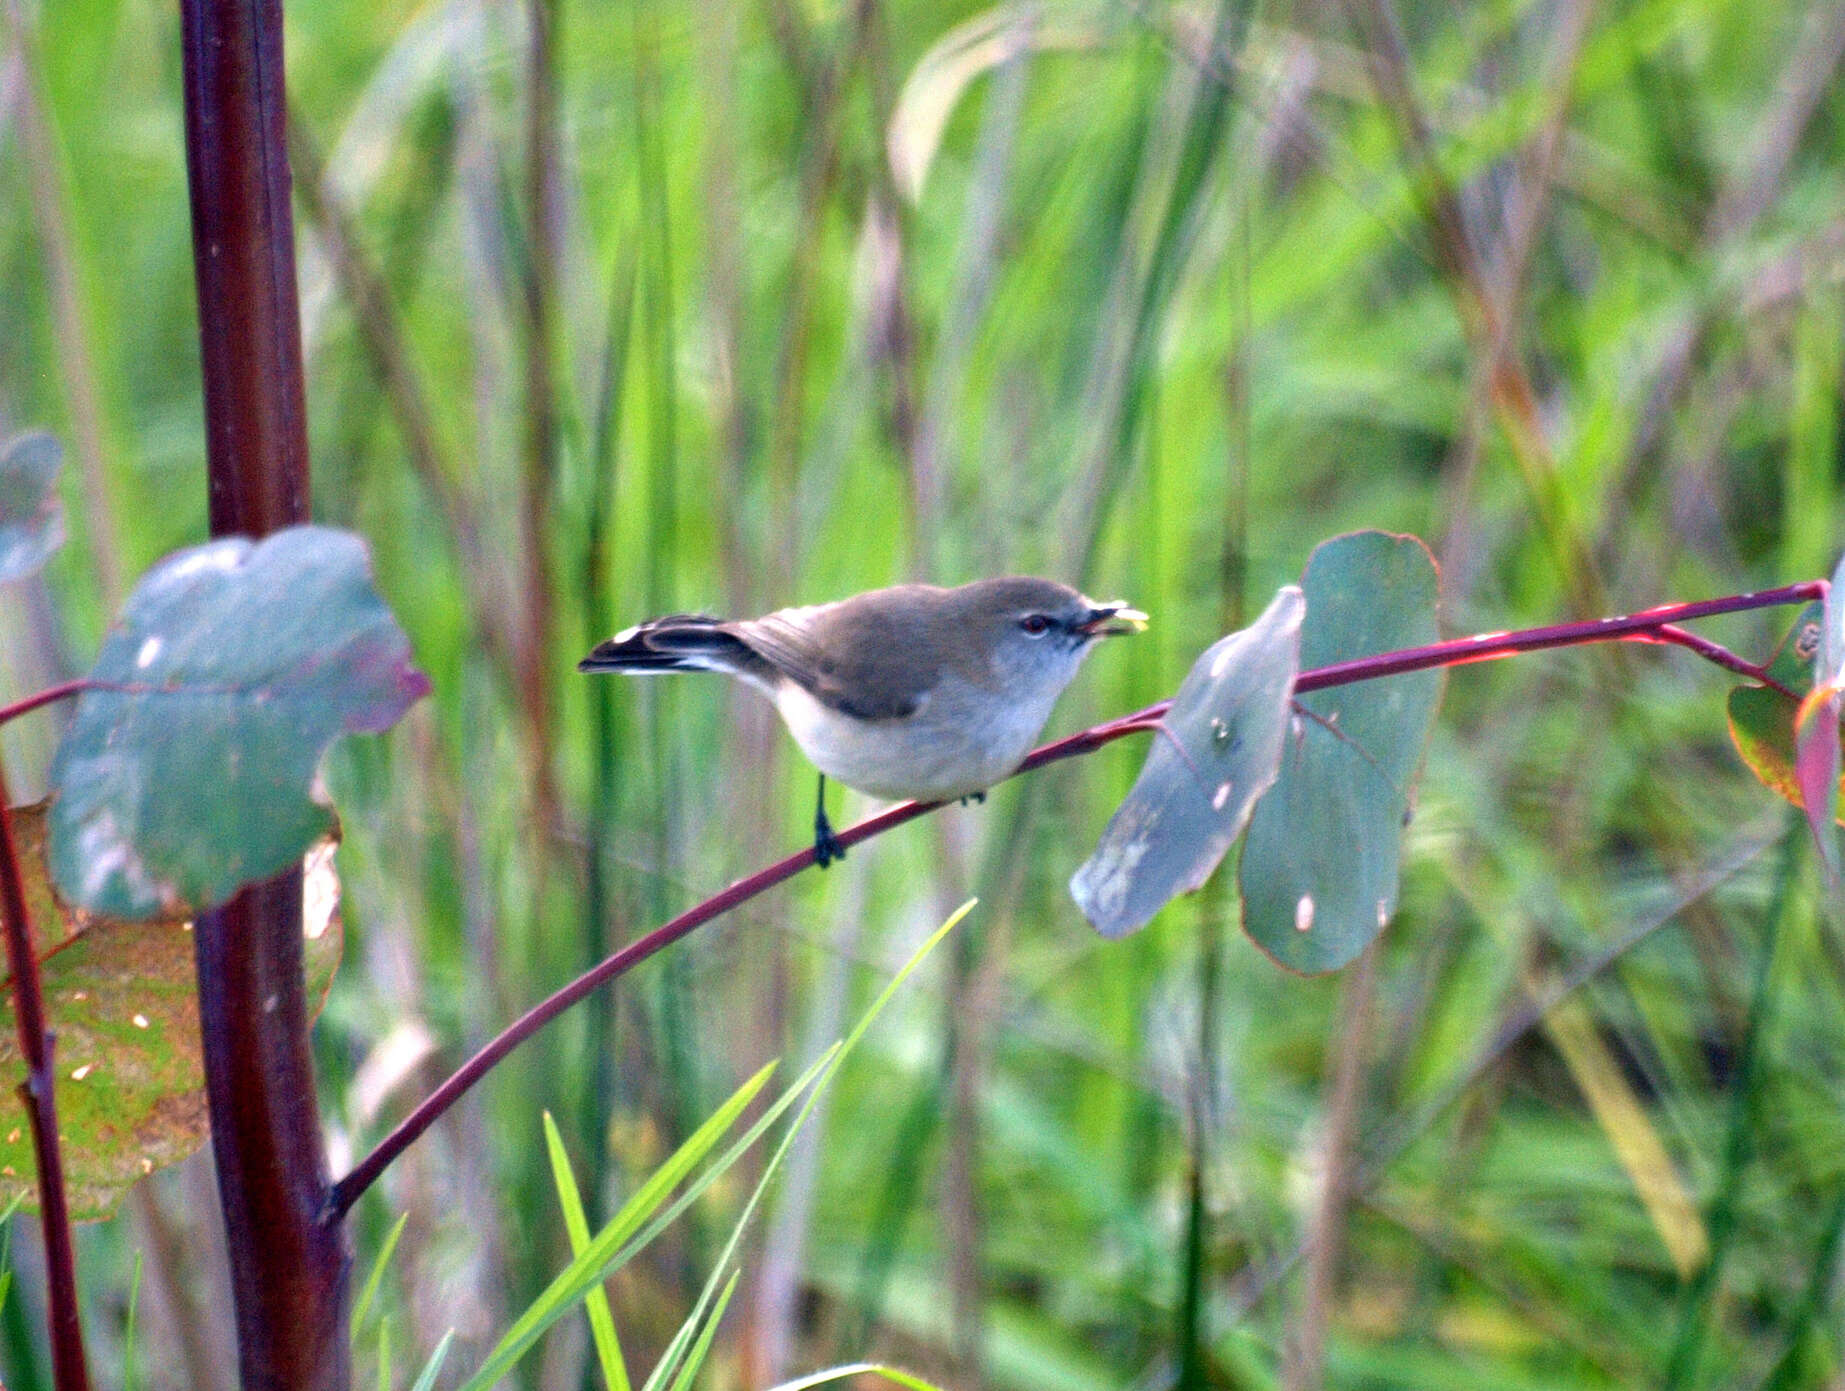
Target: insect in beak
x=1113 y=619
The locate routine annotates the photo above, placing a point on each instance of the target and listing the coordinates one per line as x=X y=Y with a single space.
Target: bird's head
x=1038 y=630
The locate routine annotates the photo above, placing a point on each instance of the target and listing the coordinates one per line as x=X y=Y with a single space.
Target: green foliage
x=426 y=1379
x=596 y=1258
x=576 y=1225
x=6 y=1246
x=369 y=1290
x=640 y=1219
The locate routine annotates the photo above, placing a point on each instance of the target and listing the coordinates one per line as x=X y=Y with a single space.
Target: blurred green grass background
x=612 y=309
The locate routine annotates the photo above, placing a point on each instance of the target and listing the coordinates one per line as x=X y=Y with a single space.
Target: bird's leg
x=826 y=845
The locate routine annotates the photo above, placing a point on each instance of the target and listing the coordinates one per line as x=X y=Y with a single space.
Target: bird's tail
x=680 y=642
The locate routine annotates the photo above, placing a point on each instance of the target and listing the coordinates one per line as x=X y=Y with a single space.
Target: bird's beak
x=1114 y=619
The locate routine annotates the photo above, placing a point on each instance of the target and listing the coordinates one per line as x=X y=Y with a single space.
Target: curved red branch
x=1660 y=623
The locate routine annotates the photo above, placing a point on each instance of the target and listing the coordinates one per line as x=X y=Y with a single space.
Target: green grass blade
x=576 y=1224
x=896 y=982
x=828 y=1065
x=595 y=1263
x=427 y=1377
x=675 y=1349
x=1788 y=1367
x=370 y=1292
x=1698 y=1301
x=739 y=1147
x=856 y=1369
x=683 y=1381
x=6 y=1247
x=611 y=1247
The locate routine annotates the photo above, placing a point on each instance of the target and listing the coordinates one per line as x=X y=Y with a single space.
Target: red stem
x=70 y=1372
x=1657 y=623
x=1717 y=653
x=1486 y=646
x=25 y=705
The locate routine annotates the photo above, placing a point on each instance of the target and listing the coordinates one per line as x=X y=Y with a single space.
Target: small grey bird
x=911 y=691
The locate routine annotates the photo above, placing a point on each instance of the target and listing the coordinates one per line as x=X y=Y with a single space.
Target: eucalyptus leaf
x=1761 y=718
x=187 y=773
x=121 y=999
x=1319 y=867
x=1215 y=753
x=31 y=517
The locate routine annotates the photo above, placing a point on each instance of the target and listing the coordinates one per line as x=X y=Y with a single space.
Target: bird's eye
x=1036 y=624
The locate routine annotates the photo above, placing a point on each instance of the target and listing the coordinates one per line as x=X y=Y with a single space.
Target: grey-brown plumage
x=911 y=691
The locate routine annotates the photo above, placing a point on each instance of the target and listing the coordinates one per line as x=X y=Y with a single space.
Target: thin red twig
x=1718 y=653
x=25 y=705
x=69 y=1369
x=1484 y=647
x=1658 y=623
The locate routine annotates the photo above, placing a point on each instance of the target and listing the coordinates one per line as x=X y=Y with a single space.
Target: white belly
x=955 y=744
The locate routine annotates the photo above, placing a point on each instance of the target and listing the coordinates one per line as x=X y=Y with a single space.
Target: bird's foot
x=980 y=797
x=827 y=847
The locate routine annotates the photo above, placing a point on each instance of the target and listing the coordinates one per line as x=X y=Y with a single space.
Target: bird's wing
x=849 y=657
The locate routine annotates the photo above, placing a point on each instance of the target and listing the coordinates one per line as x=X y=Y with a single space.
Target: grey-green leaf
x=1319 y=867
x=232 y=668
x=1218 y=750
x=31 y=517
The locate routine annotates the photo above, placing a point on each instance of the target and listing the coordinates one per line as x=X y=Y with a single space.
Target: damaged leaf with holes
x=31 y=517
x=1319 y=867
x=121 y=1003
x=1214 y=753
x=234 y=665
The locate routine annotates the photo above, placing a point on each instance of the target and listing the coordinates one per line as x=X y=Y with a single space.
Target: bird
x=911 y=692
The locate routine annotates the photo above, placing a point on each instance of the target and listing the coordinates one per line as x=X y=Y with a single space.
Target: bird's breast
x=960 y=740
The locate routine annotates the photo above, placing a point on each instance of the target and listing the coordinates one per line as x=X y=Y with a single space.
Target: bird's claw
x=827 y=846
x=979 y=797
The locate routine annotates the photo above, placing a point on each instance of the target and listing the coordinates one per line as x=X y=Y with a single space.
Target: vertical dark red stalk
x=288 y=1267
x=69 y=1370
